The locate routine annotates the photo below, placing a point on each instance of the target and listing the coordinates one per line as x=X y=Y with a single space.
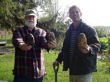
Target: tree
x=5 y=14
x=12 y=12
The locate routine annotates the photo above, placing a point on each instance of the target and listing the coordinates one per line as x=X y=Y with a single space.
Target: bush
x=104 y=43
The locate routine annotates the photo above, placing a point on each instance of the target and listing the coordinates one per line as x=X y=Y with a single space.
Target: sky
x=94 y=12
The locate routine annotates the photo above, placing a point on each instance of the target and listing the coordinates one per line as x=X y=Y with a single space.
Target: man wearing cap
x=29 y=59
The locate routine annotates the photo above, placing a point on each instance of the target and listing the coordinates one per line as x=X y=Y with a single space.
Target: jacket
x=81 y=63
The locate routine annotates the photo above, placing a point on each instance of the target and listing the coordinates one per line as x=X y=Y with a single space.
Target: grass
x=6 y=66
x=7 y=63
x=100 y=75
x=49 y=59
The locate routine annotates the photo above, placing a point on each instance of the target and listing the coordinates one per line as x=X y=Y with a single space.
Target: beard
x=30 y=24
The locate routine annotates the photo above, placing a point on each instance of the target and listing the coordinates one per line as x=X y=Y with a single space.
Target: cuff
x=92 y=51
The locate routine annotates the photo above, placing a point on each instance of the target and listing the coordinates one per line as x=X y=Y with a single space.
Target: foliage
x=104 y=43
x=101 y=31
x=54 y=22
x=48 y=7
x=55 y=25
x=5 y=14
x=21 y=6
x=106 y=58
x=12 y=16
x=12 y=13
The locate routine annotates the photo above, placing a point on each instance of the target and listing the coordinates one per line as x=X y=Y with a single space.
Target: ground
x=6 y=50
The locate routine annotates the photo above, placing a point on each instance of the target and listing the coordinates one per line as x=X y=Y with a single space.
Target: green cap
x=30 y=12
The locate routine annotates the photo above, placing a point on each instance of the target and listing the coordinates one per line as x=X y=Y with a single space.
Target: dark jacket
x=81 y=63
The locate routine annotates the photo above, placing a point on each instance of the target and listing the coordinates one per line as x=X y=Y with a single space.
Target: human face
x=30 y=21
x=75 y=14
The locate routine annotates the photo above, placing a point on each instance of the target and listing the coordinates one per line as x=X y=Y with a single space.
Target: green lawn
x=7 y=63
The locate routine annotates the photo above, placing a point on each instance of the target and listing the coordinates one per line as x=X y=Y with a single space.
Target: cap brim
x=31 y=15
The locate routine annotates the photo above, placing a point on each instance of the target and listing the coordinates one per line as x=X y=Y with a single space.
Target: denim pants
x=81 y=78
x=25 y=79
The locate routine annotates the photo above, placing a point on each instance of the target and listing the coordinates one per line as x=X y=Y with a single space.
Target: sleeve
x=63 y=51
x=43 y=41
x=94 y=42
x=17 y=38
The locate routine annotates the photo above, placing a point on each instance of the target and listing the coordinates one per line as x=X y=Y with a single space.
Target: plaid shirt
x=29 y=63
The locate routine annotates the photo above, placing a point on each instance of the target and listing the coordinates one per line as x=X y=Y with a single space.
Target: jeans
x=81 y=78
x=27 y=79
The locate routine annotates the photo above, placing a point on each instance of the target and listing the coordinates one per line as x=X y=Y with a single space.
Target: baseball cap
x=31 y=12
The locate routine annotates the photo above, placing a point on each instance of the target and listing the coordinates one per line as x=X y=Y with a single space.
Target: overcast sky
x=94 y=12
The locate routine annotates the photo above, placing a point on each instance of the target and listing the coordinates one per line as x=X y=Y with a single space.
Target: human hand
x=56 y=63
x=51 y=45
x=24 y=47
x=85 y=50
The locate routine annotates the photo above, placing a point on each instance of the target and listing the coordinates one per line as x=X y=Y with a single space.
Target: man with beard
x=29 y=58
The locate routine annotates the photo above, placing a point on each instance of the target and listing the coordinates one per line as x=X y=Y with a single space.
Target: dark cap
x=31 y=12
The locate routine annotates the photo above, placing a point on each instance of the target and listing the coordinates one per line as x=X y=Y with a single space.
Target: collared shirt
x=29 y=63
